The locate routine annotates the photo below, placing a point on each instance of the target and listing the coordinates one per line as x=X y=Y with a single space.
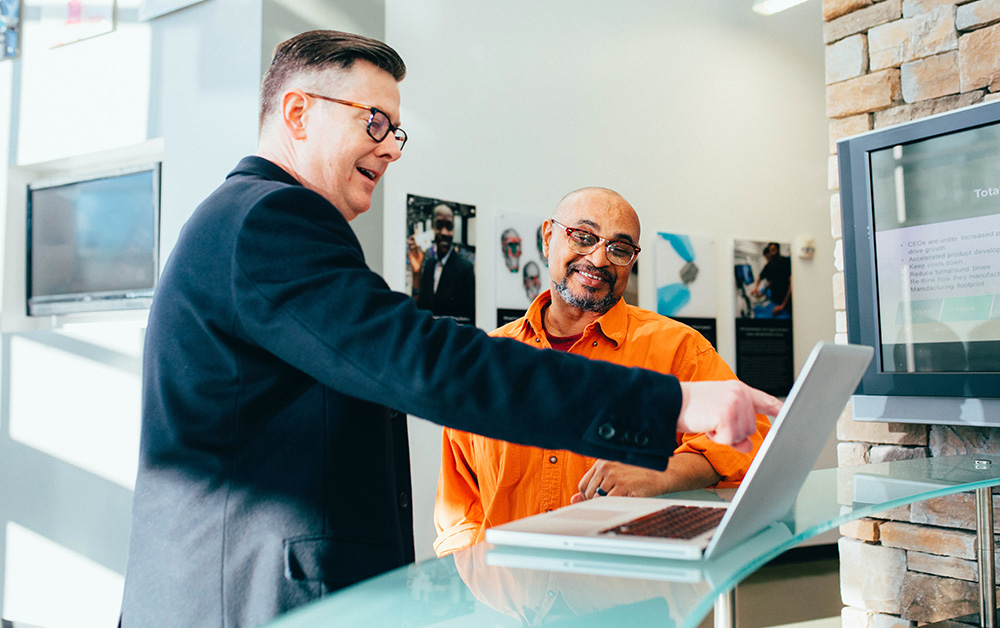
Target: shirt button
x=606 y=431
x=404 y=500
x=538 y=339
x=553 y=459
x=641 y=440
x=595 y=344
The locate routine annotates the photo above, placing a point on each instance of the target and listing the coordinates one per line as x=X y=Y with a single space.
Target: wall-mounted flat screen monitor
x=921 y=215
x=93 y=242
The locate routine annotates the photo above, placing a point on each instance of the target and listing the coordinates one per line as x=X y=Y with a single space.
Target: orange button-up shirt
x=486 y=482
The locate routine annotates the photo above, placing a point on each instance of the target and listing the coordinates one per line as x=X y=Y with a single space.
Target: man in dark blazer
x=278 y=369
x=446 y=280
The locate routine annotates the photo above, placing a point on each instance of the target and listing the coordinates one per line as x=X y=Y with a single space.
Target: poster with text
x=763 y=292
x=685 y=281
x=441 y=257
x=522 y=272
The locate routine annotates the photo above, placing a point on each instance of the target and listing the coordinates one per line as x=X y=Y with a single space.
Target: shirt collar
x=613 y=324
x=258 y=166
x=442 y=261
x=533 y=317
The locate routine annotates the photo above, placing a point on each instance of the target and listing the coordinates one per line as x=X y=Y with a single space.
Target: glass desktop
x=492 y=586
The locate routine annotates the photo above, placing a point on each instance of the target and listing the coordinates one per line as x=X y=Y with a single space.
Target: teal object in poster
x=670 y=299
x=681 y=244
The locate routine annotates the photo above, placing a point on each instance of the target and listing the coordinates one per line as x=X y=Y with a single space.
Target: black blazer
x=456 y=291
x=271 y=470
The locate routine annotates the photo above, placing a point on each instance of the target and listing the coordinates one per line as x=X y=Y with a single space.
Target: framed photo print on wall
x=10 y=28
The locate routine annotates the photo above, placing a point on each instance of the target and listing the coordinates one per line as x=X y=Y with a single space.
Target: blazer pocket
x=337 y=560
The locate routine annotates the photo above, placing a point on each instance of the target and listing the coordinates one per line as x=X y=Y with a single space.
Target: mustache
x=593 y=270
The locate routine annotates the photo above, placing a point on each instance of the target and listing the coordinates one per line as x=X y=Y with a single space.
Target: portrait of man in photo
x=440 y=257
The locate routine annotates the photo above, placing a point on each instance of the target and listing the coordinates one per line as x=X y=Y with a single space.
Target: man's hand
x=414 y=254
x=616 y=478
x=725 y=411
x=685 y=471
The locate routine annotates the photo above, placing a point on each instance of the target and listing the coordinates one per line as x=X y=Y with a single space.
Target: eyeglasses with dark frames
x=379 y=125
x=583 y=242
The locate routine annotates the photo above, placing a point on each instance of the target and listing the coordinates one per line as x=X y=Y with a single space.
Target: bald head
x=584 y=278
x=599 y=206
x=443 y=211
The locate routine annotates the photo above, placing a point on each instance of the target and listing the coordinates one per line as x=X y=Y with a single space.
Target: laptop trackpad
x=590 y=514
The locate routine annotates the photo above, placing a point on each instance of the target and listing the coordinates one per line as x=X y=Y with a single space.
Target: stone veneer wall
x=887 y=62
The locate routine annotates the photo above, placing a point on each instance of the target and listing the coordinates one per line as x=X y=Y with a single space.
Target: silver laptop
x=631 y=525
x=624 y=566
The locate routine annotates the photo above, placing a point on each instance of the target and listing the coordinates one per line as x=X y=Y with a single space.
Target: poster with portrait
x=68 y=21
x=522 y=272
x=763 y=305
x=684 y=273
x=10 y=28
x=441 y=256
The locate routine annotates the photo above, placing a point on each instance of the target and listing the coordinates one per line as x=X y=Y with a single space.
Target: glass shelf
x=491 y=586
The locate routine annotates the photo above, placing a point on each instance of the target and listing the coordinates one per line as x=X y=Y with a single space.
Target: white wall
x=286 y=18
x=707 y=117
x=87 y=96
x=509 y=105
x=70 y=395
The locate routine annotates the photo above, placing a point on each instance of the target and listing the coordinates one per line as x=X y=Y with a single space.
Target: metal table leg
x=987 y=575
x=987 y=617
x=725 y=609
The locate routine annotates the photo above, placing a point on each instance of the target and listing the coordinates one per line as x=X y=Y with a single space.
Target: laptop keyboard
x=673 y=522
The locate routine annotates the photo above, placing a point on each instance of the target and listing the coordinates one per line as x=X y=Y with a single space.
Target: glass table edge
x=846 y=514
x=314 y=614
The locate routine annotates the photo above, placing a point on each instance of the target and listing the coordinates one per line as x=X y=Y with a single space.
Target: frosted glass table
x=490 y=586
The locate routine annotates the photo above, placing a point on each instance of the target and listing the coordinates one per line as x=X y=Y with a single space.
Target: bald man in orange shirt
x=591 y=243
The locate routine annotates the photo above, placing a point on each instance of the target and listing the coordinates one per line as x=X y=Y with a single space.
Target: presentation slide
x=936 y=210
x=940 y=283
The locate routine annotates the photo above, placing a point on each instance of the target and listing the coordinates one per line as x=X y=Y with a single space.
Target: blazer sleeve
x=732 y=465
x=304 y=293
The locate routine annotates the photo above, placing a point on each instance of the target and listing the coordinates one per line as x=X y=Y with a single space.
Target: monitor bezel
x=92 y=301
x=861 y=291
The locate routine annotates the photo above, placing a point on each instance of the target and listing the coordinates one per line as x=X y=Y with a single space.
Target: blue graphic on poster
x=685 y=276
x=684 y=272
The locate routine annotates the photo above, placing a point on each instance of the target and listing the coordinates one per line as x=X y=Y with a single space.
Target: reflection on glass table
x=492 y=586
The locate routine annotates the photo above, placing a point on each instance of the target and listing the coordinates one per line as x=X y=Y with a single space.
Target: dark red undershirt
x=562 y=344
x=559 y=343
